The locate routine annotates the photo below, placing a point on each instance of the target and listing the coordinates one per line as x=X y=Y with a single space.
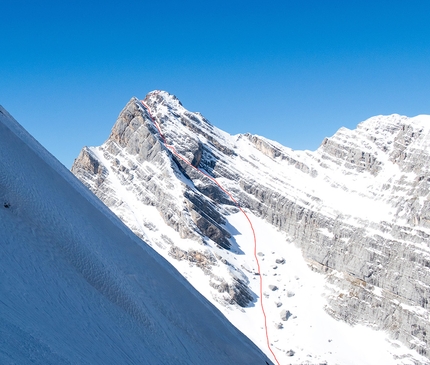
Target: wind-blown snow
x=78 y=287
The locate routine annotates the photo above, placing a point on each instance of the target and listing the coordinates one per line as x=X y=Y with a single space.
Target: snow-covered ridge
x=78 y=287
x=356 y=207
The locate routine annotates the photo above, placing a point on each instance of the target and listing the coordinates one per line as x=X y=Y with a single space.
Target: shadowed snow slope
x=78 y=287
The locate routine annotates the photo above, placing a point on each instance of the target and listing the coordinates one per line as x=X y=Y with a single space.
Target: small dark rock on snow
x=285 y=314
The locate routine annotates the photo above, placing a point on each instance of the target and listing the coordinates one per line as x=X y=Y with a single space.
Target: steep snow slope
x=356 y=207
x=78 y=287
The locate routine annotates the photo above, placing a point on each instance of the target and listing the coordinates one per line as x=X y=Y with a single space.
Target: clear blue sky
x=293 y=71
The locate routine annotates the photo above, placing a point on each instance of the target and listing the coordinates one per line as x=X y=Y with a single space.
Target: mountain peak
x=356 y=207
x=163 y=97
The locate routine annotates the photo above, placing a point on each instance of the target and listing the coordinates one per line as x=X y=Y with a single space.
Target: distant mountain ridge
x=357 y=207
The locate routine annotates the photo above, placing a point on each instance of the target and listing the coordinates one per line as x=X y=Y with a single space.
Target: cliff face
x=358 y=207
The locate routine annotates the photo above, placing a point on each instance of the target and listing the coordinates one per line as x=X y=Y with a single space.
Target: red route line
x=173 y=150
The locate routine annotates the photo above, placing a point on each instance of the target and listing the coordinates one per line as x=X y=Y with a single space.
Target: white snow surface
x=314 y=336
x=78 y=287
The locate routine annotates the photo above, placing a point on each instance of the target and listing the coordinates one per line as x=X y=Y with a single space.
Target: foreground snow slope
x=78 y=287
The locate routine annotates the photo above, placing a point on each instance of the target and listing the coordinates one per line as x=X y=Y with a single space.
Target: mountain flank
x=357 y=208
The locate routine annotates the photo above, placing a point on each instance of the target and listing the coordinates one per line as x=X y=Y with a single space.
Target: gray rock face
x=358 y=207
x=285 y=314
x=290 y=353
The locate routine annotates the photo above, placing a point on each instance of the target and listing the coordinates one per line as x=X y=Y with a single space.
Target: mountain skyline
x=294 y=72
x=353 y=211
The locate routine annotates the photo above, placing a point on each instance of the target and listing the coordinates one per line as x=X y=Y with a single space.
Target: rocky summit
x=357 y=210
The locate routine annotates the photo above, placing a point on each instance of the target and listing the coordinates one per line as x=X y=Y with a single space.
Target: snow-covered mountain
x=78 y=287
x=333 y=245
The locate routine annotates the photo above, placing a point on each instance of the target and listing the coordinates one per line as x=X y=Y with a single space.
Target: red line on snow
x=173 y=150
